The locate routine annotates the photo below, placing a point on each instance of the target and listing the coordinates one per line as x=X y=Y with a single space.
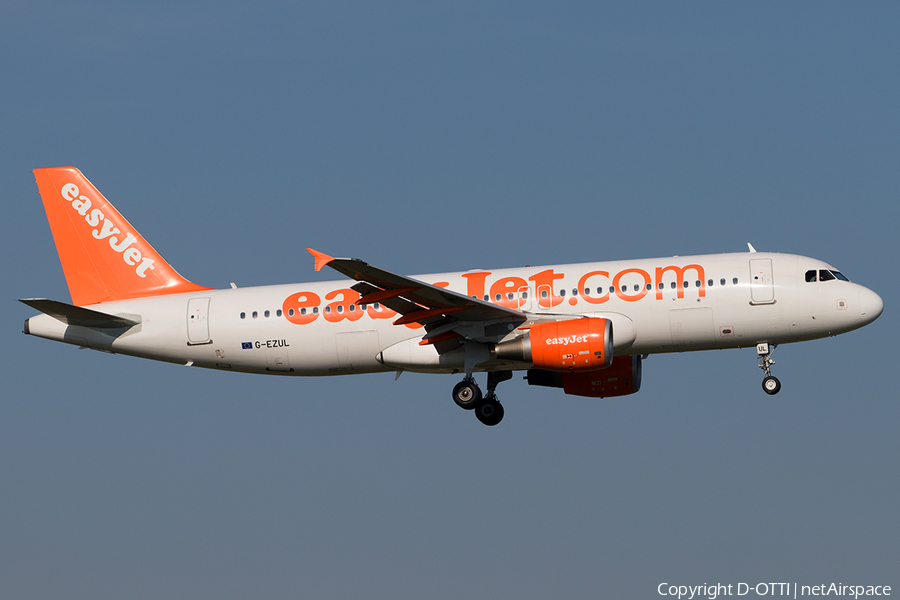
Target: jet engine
x=620 y=379
x=574 y=345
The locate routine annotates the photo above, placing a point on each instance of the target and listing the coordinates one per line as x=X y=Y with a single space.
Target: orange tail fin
x=103 y=257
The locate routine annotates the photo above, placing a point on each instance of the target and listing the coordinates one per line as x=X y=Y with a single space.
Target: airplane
x=584 y=328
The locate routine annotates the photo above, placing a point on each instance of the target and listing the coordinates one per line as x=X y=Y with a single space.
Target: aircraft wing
x=446 y=315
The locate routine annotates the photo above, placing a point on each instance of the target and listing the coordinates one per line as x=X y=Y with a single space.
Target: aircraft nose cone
x=871 y=305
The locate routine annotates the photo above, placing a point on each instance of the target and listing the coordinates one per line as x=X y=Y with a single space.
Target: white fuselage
x=656 y=305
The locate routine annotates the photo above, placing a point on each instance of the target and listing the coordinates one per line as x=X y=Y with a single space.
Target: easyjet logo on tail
x=107 y=230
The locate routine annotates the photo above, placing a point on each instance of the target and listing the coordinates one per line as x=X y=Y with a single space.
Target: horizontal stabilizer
x=76 y=315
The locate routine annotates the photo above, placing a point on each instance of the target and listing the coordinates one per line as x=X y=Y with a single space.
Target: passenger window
x=562 y=292
x=575 y=292
x=509 y=296
x=697 y=283
x=278 y=313
x=612 y=290
x=315 y=310
x=524 y=295
x=378 y=306
x=709 y=283
x=352 y=308
x=266 y=314
x=684 y=284
x=637 y=287
x=673 y=285
x=302 y=311
x=649 y=287
x=624 y=288
x=587 y=291
x=722 y=281
x=497 y=297
x=811 y=276
x=327 y=310
x=825 y=275
x=243 y=315
x=660 y=285
x=734 y=281
x=543 y=293
x=254 y=315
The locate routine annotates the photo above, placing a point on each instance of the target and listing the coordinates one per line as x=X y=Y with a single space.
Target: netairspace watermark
x=713 y=591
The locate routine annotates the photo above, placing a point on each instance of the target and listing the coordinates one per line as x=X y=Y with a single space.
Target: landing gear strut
x=770 y=384
x=487 y=409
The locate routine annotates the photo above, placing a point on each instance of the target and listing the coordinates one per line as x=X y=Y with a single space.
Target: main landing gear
x=770 y=383
x=488 y=409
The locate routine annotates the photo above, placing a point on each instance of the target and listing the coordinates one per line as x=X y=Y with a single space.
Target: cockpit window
x=824 y=275
x=840 y=276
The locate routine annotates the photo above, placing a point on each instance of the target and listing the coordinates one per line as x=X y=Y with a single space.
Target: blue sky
x=436 y=137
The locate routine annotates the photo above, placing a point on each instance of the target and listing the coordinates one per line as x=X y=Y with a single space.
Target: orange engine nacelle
x=571 y=346
x=620 y=379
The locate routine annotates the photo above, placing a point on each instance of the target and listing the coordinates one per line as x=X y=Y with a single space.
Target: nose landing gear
x=488 y=409
x=770 y=383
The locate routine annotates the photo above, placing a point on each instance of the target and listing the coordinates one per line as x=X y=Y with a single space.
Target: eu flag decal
x=246 y=345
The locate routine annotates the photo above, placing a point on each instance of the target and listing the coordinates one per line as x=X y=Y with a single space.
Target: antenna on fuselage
x=752 y=249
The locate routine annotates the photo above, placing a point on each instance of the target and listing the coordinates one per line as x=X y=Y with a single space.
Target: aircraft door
x=762 y=285
x=357 y=349
x=198 y=321
x=692 y=328
x=277 y=357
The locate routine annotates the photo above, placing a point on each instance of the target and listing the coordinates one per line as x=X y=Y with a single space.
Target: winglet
x=322 y=259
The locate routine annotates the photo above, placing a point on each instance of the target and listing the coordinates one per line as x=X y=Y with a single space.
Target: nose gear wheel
x=770 y=383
